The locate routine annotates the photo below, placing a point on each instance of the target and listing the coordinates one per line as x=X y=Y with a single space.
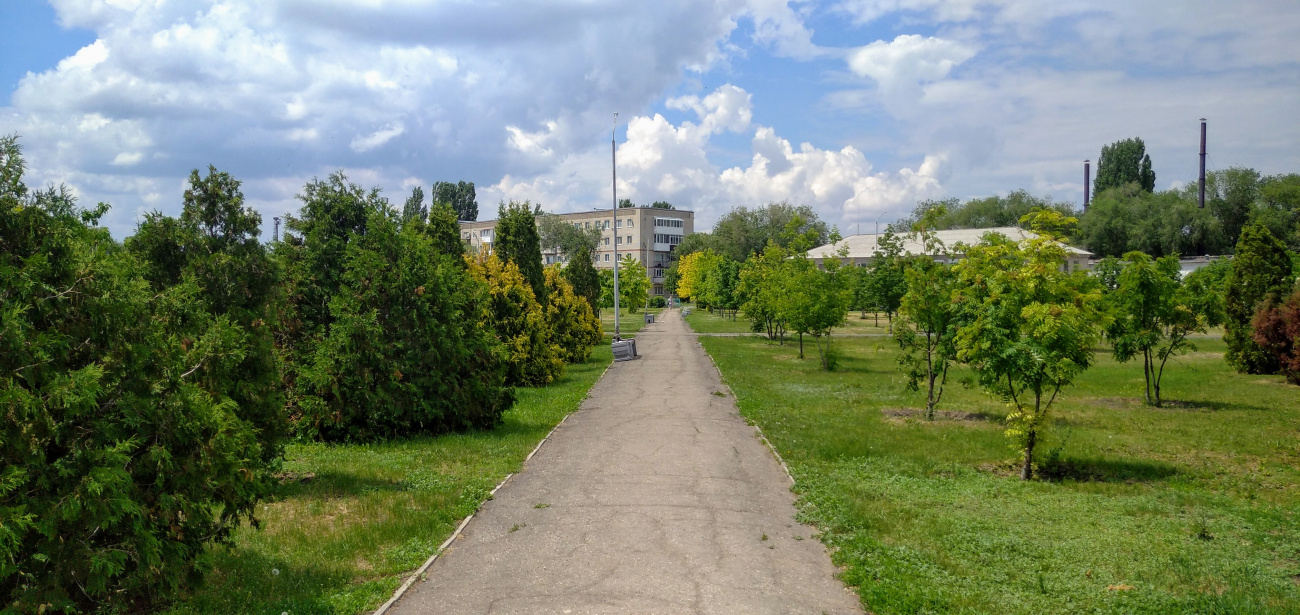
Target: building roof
x=600 y=212
x=864 y=246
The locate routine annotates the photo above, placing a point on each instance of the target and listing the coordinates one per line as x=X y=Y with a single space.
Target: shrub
x=519 y=322
x=1277 y=330
x=1260 y=268
x=384 y=332
x=657 y=302
x=573 y=327
x=122 y=457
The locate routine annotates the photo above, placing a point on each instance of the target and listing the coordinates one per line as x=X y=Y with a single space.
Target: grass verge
x=704 y=322
x=1191 y=508
x=628 y=324
x=350 y=521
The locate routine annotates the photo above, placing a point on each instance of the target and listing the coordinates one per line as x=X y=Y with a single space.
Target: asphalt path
x=655 y=497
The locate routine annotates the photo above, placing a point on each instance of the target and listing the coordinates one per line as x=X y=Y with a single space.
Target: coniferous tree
x=414 y=210
x=124 y=452
x=582 y=275
x=444 y=230
x=517 y=240
x=1260 y=268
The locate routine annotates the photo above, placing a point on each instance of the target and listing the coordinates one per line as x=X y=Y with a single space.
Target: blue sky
x=859 y=108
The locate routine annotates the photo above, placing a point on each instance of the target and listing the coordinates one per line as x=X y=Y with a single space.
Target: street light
x=878 y=221
x=613 y=224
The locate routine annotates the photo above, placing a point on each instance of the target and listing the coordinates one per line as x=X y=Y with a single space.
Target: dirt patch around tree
x=913 y=415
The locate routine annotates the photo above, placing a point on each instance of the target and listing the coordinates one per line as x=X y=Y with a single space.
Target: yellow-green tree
x=633 y=285
x=688 y=274
x=574 y=327
x=519 y=321
x=1027 y=327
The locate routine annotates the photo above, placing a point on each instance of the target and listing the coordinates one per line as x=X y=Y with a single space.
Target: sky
x=858 y=108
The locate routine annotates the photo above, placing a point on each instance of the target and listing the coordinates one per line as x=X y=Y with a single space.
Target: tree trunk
x=877 y=315
x=1027 y=471
x=801 y=344
x=929 y=373
x=1146 y=372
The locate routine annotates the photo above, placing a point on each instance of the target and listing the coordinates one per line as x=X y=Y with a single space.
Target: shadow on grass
x=1136 y=403
x=334 y=484
x=1091 y=469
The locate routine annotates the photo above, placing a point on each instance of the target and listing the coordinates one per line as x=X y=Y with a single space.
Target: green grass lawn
x=704 y=322
x=1192 y=508
x=628 y=324
x=352 y=520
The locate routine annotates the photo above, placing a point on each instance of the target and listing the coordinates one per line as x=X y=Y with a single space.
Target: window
x=668 y=223
x=671 y=240
x=629 y=223
x=606 y=241
x=629 y=240
x=588 y=224
x=485 y=233
x=618 y=241
x=618 y=224
x=607 y=256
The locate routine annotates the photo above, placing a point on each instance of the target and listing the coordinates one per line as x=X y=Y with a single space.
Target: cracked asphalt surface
x=655 y=497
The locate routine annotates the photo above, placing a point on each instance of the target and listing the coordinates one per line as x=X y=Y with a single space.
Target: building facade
x=650 y=235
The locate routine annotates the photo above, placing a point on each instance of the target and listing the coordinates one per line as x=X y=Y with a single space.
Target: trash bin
x=624 y=350
x=649 y=318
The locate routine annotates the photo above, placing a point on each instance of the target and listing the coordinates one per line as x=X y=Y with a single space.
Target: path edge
x=410 y=581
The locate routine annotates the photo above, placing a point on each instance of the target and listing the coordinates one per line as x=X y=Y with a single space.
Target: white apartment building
x=649 y=235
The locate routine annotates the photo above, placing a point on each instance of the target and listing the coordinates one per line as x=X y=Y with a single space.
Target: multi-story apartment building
x=650 y=235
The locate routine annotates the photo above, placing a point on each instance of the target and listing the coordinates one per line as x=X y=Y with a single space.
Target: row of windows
x=671 y=240
x=668 y=222
x=603 y=224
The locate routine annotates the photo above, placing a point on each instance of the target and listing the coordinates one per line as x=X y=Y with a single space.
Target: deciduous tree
x=1028 y=328
x=1155 y=312
x=1124 y=162
x=460 y=196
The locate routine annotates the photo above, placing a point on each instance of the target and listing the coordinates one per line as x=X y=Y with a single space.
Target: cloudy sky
x=856 y=107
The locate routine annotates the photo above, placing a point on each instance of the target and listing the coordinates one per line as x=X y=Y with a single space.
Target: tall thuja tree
x=1155 y=312
x=517 y=240
x=409 y=348
x=1124 y=162
x=444 y=231
x=574 y=326
x=1260 y=269
x=313 y=252
x=927 y=325
x=414 y=210
x=460 y=196
x=1028 y=328
x=534 y=359
x=118 y=464
x=581 y=274
x=219 y=287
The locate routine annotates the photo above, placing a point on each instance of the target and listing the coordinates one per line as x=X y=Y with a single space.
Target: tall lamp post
x=613 y=155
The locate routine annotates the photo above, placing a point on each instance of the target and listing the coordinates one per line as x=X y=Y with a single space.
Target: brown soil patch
x=900 y=415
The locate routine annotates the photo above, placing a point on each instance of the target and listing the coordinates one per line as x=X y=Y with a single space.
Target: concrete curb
x=419 y=572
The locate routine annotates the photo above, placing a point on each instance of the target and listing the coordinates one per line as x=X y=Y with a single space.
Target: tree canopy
x=1124 y=162
x=460 y=196
x=517 y=240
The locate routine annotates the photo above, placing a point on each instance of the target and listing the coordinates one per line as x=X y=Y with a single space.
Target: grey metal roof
x=864 y=246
